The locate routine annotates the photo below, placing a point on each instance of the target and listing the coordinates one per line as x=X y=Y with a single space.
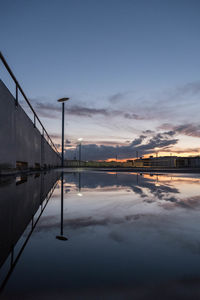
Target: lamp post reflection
x=61 y=237
x=79 y=185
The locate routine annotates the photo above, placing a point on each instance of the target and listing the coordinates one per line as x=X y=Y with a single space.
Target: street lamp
x=63 y=100
x=80 y=140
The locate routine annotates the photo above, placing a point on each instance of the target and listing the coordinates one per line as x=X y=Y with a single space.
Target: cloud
x=185 y=129
x=46 y=109
x=170 y=103
x=103 y=152
x=117 y=237
x=108 y=143
x=93 y=221
x=181 y=94
x=189 y=88
x=187 y=203
x=148 y=131
x=49 y=110
x=158 y=106
x=117 y=97
x=133 y=116
x=87 y=112
x=138 y=141
x=186 y=150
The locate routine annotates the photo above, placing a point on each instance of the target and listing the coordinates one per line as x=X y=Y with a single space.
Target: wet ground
x=100 y=235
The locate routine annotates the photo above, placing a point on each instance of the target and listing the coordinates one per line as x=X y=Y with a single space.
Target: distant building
x=188 y=162
x=130 y=161
x=167 y=162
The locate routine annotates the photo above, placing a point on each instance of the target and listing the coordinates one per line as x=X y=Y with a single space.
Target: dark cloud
x=117 y=97
x=138 y=141
x=188 y=129
x=49 y=110
x=132 y=116
x=46 y=110
x=170 y=133
x=186 y=150
x=87 y=112
x=185 y=129
x=103 y=152
x=154 y=109
x=148 y=131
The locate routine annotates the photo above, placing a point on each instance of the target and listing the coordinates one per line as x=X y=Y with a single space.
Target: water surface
x=120 y=236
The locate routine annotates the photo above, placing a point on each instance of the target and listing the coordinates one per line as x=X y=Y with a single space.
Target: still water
x=100 y=235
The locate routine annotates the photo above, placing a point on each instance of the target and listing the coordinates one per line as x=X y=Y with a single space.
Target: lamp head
x=80 y=139
x=63 y=99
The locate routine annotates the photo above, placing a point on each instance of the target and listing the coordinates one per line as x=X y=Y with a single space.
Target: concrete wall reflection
x=20 y=199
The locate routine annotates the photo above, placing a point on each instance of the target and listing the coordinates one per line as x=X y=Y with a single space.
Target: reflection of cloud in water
x=117 y=237
x=187 y=203
x=138 y=191
x=87 y=221
x=150 y=188
x=102 y=179
x=138 y=184
x=124 y=215
x=134 y=226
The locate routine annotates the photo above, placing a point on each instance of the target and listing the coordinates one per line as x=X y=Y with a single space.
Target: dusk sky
x=130 y=67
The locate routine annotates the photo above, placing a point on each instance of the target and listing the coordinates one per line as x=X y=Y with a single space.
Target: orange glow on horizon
x=161 y=153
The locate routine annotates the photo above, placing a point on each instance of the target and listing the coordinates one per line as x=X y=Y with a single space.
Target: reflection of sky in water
x=127 y=231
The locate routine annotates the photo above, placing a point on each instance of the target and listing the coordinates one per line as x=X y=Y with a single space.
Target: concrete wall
x=19 y=139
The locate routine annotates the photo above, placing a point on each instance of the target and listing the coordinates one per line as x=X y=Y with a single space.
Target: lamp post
x=80 y=140
x=63 y=100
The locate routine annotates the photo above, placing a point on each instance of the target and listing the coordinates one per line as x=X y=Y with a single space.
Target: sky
x=130 y=67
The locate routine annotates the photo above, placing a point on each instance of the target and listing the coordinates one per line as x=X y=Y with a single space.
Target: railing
x=35 y=116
